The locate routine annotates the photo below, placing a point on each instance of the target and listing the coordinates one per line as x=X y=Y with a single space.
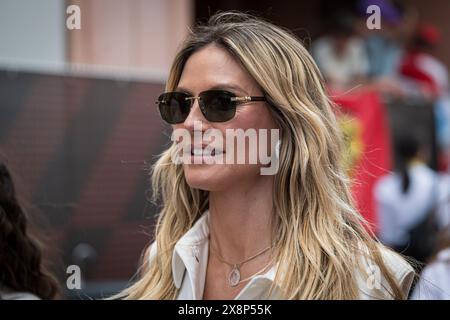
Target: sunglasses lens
x=173 y=107
x=217 y=105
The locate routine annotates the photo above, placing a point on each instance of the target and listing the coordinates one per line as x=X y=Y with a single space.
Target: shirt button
x=195 y=253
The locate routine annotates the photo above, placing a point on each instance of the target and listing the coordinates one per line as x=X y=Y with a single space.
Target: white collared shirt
x=190 y=259
x=8 y=294
x=434 y=283
x=399 y=211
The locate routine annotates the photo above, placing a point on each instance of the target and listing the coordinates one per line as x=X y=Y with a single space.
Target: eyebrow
x=217 y=87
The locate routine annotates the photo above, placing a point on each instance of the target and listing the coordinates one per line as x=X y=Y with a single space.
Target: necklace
x=234 y=278
x=257 y=273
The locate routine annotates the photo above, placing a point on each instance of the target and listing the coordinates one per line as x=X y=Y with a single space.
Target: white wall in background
x=32 y=33
x=138 y=36
x=118 y=38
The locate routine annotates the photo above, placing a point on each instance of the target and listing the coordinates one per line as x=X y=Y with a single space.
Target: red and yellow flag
x=363 y=119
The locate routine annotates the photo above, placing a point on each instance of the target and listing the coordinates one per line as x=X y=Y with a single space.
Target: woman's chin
x=206 y=177
x=217 y=177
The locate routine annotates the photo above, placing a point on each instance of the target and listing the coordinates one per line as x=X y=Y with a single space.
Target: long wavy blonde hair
x=317 y=228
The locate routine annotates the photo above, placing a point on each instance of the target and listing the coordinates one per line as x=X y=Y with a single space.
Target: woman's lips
x=206 y=152
x=198 y=154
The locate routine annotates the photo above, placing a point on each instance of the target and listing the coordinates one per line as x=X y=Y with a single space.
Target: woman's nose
x=195 y=115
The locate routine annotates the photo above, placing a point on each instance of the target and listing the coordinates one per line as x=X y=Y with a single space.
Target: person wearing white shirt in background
x=405 y=197
x=434 y=281
x=340 y=54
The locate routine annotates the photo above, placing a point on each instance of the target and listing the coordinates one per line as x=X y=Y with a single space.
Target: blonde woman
x=226 y=231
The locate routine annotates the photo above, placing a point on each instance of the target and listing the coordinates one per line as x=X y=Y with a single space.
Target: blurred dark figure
x=406 y=201
x=340 y=54
x=434 y=282
x=429 y=76
x=22 y=273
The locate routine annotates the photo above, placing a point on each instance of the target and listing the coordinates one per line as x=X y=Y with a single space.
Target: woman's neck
x=241 y=219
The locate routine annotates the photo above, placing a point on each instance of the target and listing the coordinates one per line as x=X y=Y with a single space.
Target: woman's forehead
x=213 y=67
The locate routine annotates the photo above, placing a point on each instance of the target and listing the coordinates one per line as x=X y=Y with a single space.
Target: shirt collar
x=191 y=254
x=190 y=250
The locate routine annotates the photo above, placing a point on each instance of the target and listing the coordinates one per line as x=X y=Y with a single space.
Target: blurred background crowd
x=79 y=131
x=399 y=64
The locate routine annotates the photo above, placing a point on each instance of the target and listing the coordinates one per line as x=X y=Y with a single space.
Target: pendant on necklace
x=234 y=277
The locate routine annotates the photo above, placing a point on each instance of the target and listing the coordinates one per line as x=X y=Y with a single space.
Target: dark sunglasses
x=216 y=105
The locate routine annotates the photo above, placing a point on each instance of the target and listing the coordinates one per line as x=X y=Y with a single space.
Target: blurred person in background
x=405 y=201
x=23 y=275
x=429 y=76
x=385 y=46
x=422 y=66
x=340 y=54
x=225 y=231
x=444 y=201
x=434 y=281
